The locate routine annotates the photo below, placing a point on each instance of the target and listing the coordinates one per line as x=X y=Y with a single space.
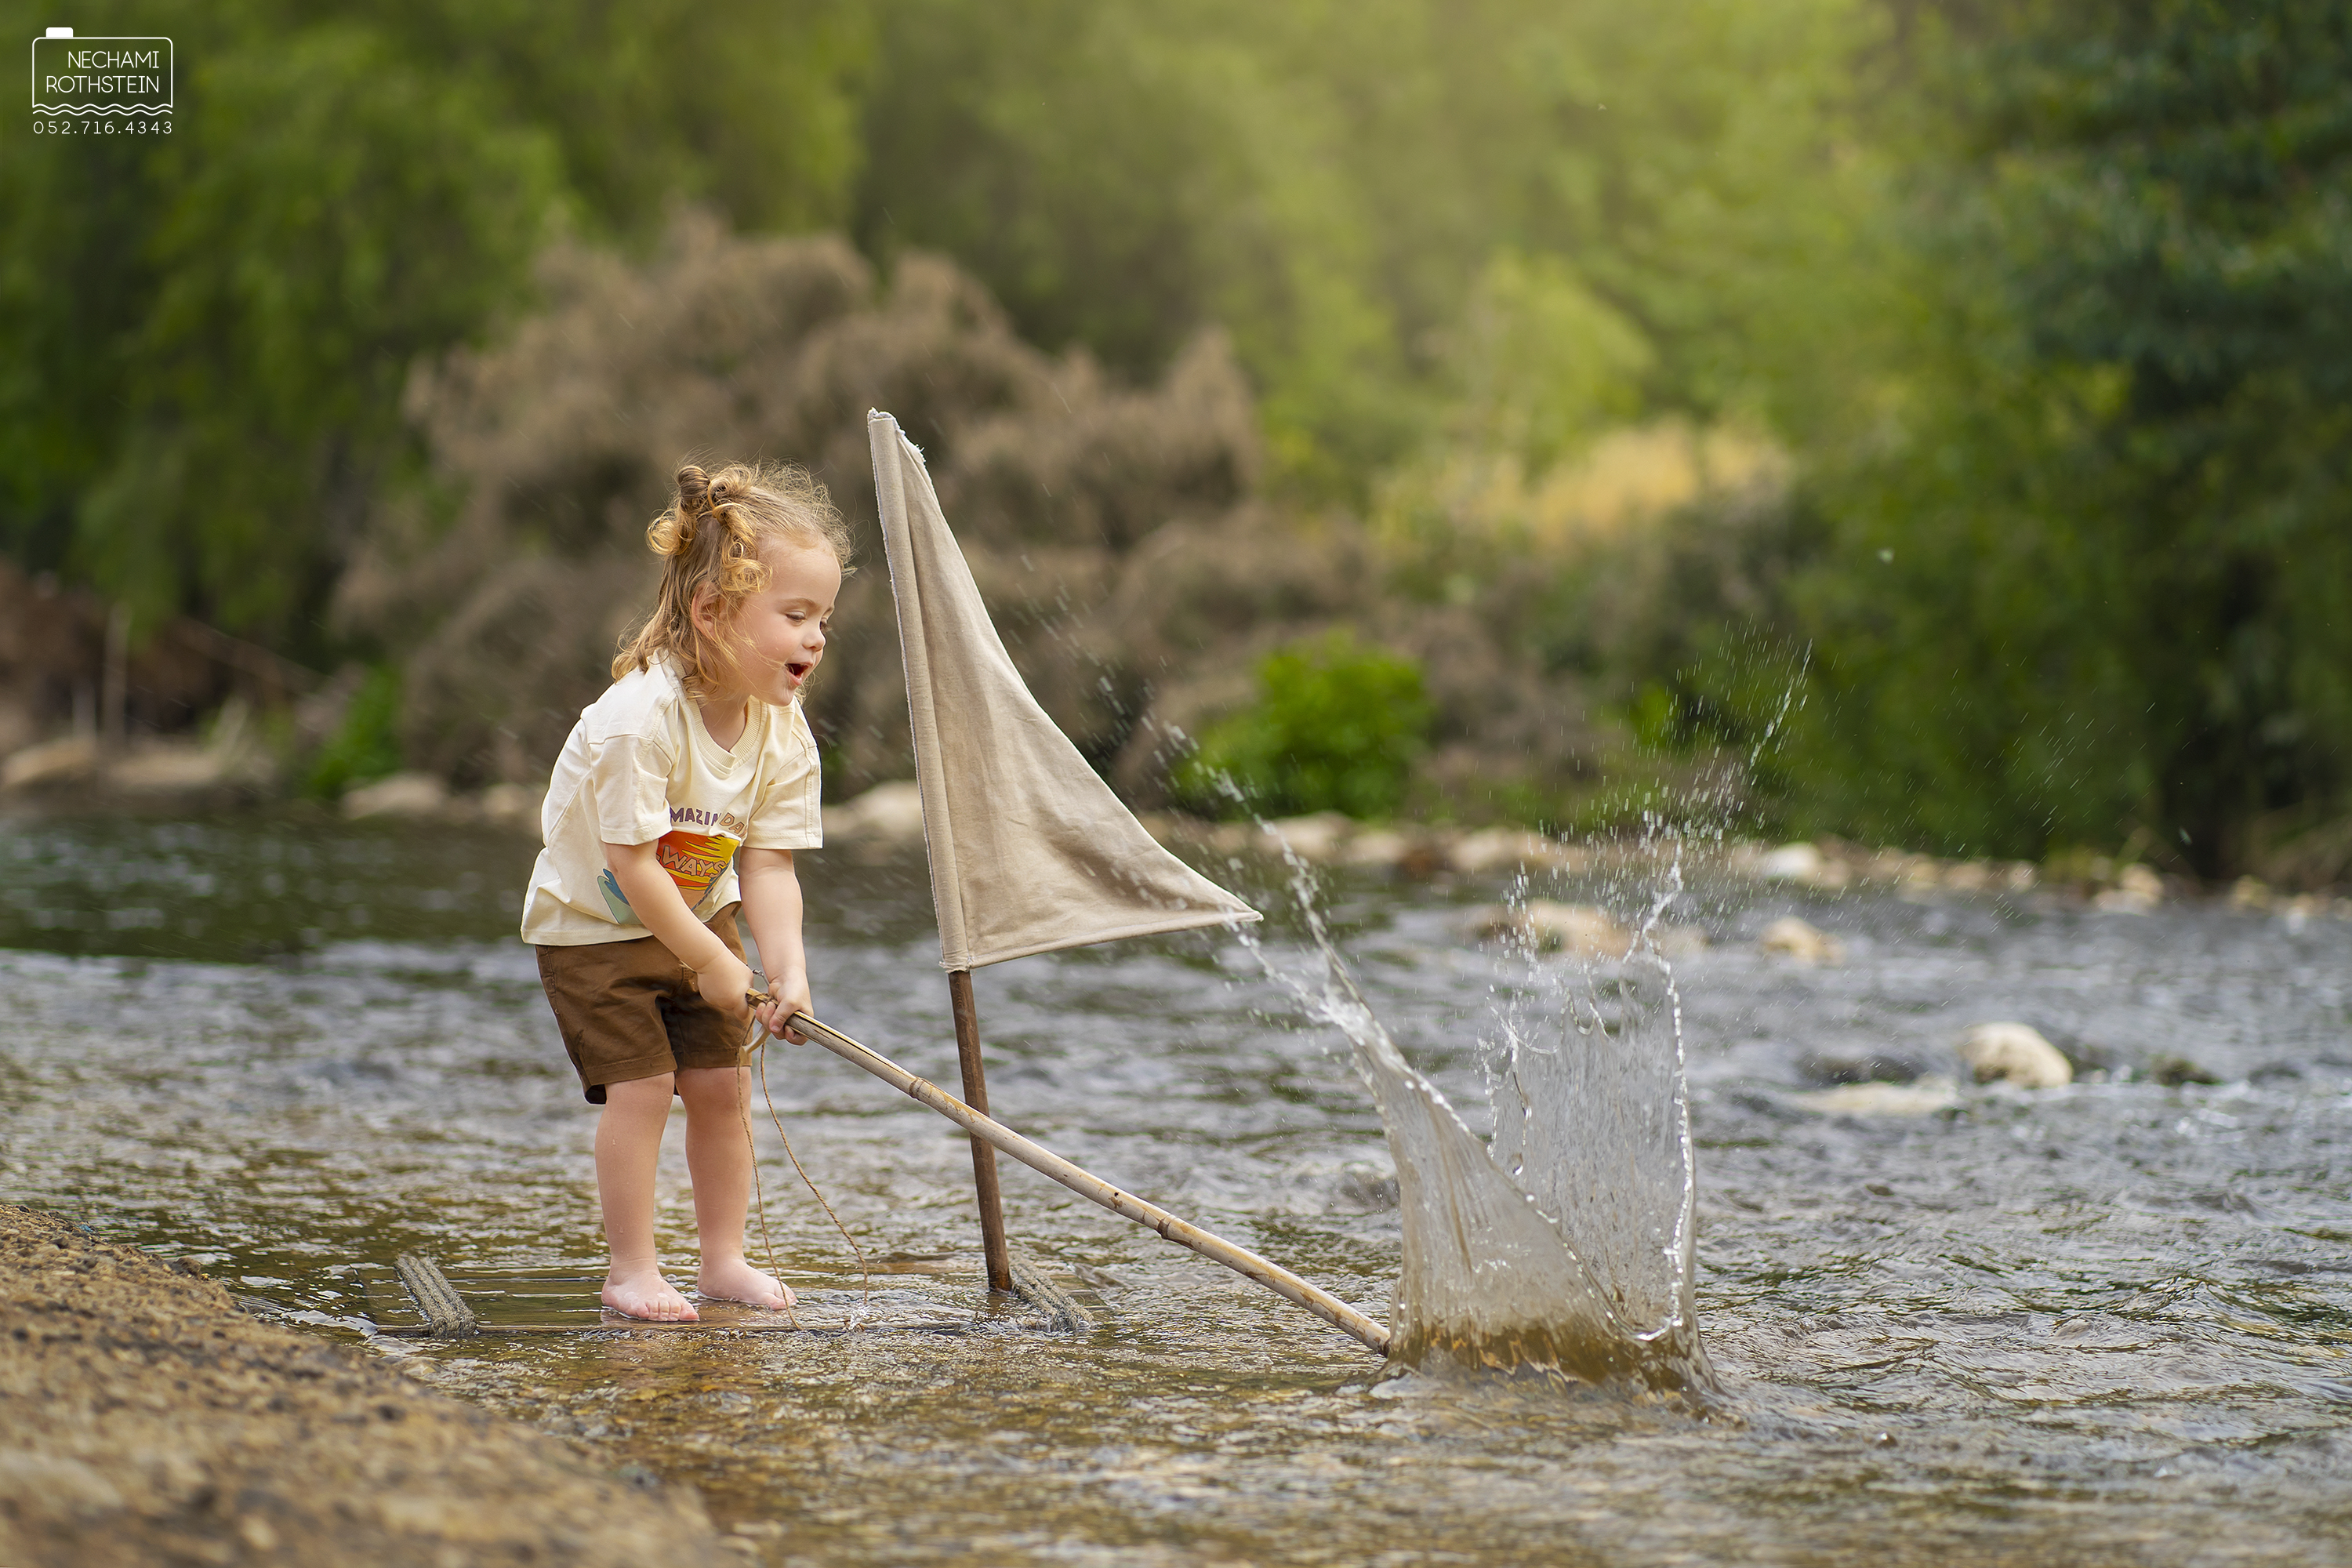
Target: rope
x=743 y=1112
x=866 y=1272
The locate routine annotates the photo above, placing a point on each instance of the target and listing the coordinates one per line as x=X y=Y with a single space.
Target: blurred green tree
x=2090 y=580
x=208 y=331
x=1330 y=182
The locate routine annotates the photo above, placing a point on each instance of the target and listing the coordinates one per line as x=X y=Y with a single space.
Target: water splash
x=1565 y=1245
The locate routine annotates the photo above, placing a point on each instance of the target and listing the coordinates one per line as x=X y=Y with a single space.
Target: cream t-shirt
x=640 y=768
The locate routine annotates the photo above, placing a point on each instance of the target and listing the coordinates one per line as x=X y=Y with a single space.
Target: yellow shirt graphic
x=694 y=860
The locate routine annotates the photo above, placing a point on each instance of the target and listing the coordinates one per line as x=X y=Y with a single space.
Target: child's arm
x=723 y=979
x=771 y=902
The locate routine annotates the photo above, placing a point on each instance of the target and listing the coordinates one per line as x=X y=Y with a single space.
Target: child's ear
x=703 y=610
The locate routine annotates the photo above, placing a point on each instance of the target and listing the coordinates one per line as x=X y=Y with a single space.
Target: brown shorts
x=630 y=1010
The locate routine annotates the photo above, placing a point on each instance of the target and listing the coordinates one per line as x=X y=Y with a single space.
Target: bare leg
x=628 y=1147
x=720 y=1161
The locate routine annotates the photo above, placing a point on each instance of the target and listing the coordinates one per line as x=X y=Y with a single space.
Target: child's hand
x=725 y=984
x=787 y=995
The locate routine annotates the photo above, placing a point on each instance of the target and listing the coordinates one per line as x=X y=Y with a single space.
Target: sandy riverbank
x=145 y=1420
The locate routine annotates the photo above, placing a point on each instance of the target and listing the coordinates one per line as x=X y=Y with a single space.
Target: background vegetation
x=1958 y=391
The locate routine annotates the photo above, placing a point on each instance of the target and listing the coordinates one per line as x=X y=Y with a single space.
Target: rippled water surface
x=2103 y=1324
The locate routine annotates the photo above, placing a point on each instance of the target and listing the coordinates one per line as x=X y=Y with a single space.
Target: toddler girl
x=682 y=791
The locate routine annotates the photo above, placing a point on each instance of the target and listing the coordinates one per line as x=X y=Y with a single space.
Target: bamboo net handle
x=1126 y=1204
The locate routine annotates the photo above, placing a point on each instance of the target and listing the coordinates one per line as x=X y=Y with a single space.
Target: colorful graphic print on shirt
x=693 y=857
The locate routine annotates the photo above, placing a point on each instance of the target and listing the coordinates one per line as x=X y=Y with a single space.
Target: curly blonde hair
x=713 y=535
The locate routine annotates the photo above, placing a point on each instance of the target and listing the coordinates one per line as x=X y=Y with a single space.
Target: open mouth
x=798 y=671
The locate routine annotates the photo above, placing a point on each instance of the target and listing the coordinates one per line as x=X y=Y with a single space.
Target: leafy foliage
x=210 y=331
x=2097 y=585
x=365 y=746
x=1336 y=727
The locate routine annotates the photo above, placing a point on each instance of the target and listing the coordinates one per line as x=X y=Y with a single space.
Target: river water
x=2111 y=1323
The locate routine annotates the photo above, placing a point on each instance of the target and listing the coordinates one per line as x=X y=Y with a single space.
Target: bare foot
x=738 y=1281
x=647 y=1295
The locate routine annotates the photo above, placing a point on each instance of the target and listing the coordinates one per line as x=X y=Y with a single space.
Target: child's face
x=779 y=630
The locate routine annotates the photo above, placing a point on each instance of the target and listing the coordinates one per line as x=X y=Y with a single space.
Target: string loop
x=742 y=1105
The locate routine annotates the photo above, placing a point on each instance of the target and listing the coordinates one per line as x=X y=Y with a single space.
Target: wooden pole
x=1248 y=1264
x=993 y=1246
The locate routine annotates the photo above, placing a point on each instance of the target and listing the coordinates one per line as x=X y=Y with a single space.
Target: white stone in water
x=1311 y=837
x=2014 y=1053
x=1545 y=926
x=1679 y=941
x=1792 y=938
x=514 y=805
x=402 y=794
x=1500 y=849
x=1378 y=846
x=1924 y=1097
x=2136 y=891
x=889 y=813
x=1791 y=863
x=52 y=762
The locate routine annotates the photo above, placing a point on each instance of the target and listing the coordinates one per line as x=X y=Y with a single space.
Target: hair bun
x=693 y=490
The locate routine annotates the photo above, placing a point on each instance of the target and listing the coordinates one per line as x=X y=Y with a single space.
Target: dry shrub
x=1113 y=530
x=558 y=443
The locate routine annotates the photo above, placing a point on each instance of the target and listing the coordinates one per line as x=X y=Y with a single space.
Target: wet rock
x=514 y=805
x=1679 y=941
x=1792 y=938
x=2137 y=890
x=169 y=767
x=1877 y=1066
x=52 y=763
x=1544 y=926
x=1924 y=1097
x=2173 y=1071
x=1965 y=877
x=1376 y=846
x=889 y=813
x=1803 y=863
x=402 y=794
x=2014 y=1053
x=1367 y=1186
x=2252 y=893
x=1314 y=838
x=1502 y=849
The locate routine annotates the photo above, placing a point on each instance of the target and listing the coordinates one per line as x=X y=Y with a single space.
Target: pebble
x=1792 y=938
x=889 y=813
x=2137 y=890
x=1311 y=837
x=2014 y=1053
x=1805 y=864
x=1924 y=1098
x=51 y=762
x=402 y=794
x=1577 y=929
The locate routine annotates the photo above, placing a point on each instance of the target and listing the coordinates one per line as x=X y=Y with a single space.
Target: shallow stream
x=2111 y=1323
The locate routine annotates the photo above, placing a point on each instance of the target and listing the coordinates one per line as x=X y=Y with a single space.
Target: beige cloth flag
x=1031 y=851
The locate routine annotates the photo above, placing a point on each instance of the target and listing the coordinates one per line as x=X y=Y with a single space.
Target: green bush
x=366 y=745
x=1334 y=727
